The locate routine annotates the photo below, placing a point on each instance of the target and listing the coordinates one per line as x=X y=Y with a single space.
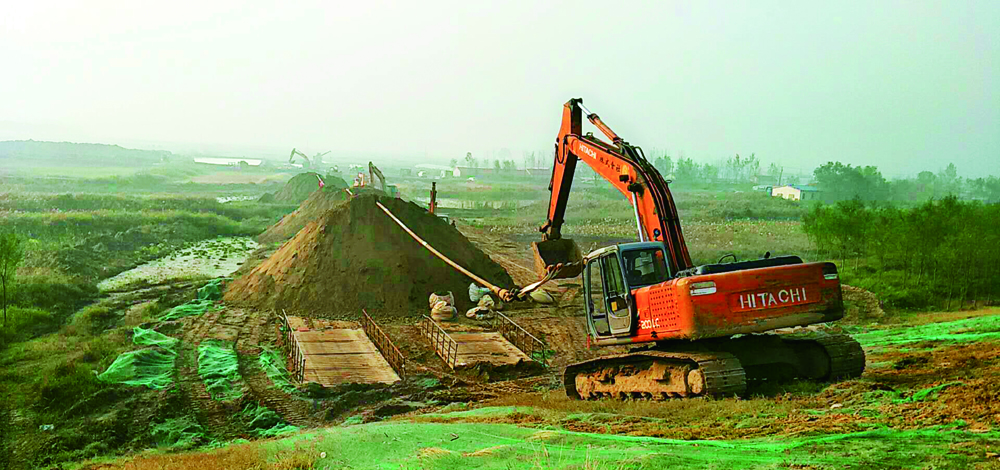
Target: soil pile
x=861 y=304
x=317 y=204
x=301 y=186
x=354 y=257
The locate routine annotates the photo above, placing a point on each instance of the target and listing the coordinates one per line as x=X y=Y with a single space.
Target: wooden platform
x=485 y=347
x=336 y=355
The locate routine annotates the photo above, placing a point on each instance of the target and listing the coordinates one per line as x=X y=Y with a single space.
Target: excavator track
x=715 y=367
x=655 y=375
x=847 y=358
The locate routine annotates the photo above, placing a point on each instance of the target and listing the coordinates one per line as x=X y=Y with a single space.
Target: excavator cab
x=609 y=277
x=610 y=307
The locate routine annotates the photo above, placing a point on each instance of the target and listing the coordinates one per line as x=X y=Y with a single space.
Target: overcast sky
x=906 y=86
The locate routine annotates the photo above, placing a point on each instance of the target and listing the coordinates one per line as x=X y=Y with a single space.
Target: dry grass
x=249 y=456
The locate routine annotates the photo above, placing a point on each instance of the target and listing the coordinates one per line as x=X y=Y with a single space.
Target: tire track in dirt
x=212 y=415
x=257 y=329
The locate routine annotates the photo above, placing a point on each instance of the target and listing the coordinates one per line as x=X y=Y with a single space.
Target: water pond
x=207 y=258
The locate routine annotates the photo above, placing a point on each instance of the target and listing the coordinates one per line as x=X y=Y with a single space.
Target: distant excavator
x=308 y=162
x=373 y=173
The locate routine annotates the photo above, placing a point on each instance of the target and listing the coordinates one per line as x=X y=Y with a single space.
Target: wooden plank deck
x=340 y=355
x=486 y=346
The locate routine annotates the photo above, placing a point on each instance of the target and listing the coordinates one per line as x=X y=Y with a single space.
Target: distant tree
x=496 y=165
x=687 y=170
x=453 y=163
x=842 y=182
x=949 y=180
x=926 y=178
x=709 y=173
x=664 y=164
x=468 y=158
x=11 y=255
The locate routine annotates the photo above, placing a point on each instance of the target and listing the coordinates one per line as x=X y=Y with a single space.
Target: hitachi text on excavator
x=700 y=330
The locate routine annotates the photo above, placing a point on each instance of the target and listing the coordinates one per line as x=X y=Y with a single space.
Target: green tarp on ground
x=960 y=331
x=398 y=444
x=219 y=370
x=207 y=296
x=263 y=422
x=152 y=367
x=274 y=366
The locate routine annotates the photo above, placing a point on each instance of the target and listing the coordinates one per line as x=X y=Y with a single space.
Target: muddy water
x=449 y=203
x=207 y=258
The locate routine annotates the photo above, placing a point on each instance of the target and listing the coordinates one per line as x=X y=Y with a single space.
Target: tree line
x=842 y=182
x=943 y=252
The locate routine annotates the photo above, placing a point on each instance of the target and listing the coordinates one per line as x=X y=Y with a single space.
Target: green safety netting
x=263 y=422
x=181 y=433
x=194 y=307
x=396 y=444
x=927 y=393
x=146 y=337
x=152 y=366
x=207 y=296
x=274 y=366
x=219 y=369
x=212 y=290
x=967 y=330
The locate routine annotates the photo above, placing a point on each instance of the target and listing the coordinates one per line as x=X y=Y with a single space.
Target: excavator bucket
x=550 y=253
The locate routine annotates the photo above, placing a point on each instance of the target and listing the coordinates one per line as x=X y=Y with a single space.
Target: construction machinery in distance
x=703 y=330
x=308 y=162
x=373 y=172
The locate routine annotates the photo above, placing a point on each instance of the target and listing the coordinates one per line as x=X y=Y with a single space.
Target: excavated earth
x=301 y=186
x=353 y=257
x=314 y=206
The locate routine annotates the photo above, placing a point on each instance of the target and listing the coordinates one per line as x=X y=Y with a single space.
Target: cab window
x=645 y=267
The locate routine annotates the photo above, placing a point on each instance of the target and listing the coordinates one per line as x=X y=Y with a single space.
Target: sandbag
x=476 y=292
x=472 y=312
x=448 y=298
x=486 y=301
x=443 y=312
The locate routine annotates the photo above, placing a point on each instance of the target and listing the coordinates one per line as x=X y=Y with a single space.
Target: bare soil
x=354 y=257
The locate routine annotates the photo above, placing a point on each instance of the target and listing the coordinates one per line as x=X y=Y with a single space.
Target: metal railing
x=382 y=342
x=294 y=350
x=520 y=338
x=443 y=344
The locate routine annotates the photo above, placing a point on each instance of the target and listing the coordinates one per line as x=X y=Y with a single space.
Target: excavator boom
x=625 y=167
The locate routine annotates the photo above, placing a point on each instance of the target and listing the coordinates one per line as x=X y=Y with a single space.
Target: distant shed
x=228 y=161
x=796 y=192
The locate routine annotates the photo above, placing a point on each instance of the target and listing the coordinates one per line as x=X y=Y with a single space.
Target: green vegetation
x=939 y=253
x=11 y=256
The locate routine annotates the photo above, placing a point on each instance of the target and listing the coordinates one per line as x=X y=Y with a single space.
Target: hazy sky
x=906 y=86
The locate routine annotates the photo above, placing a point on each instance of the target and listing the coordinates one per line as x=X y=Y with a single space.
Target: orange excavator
x=701 y=330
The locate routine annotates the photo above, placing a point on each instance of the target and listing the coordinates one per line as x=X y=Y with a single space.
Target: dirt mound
x=353 y=256
x=862 y=304
x=301 y=186
x=318 y=203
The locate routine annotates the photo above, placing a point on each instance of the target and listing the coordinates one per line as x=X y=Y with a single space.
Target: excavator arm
x=374 y=172
x=627 y=169
x=291 y=158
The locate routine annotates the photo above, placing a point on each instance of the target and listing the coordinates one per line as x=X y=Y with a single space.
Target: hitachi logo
x=589 y=151
x=768 y=299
